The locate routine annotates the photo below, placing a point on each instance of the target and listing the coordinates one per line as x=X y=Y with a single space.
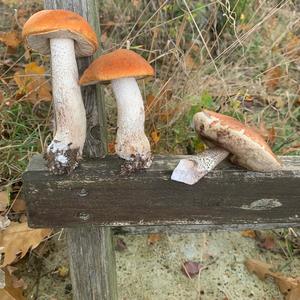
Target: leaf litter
x=288 y=286
x=191 y=268
x=17 y=239
x=32 y=84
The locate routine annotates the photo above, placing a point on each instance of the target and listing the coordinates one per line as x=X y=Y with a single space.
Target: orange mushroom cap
x=117 y=64
x=249 y=149
x=47 y=24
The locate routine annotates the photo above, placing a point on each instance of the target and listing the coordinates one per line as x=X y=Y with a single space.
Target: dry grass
x=241 y=58
x=237 y=57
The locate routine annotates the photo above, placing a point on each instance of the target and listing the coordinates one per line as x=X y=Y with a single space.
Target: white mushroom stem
x=70 y=121
x=131 y=142
x=191 y=170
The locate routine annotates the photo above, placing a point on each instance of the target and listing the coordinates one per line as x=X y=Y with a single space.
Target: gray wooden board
x=92 y=263
x=92 y=259
x=96 y=193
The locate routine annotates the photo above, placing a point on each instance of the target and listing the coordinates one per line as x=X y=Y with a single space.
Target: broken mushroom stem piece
x=247 y=148
x=65 y=35
x=191 y=170
x=122 y=67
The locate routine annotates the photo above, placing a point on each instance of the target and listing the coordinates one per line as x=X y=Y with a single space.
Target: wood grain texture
x=92 y=263
x=97 y=194
x=92 y=258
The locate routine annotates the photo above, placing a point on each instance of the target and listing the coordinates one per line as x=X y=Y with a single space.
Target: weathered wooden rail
x=227 y=198
x=96 y=199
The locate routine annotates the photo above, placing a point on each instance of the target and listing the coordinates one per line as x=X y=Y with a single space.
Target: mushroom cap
x=117 y=64
x=247 y=147
x=47 y=24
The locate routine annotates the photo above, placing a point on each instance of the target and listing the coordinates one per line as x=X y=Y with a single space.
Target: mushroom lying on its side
x=65 y=35
x=247 y=148
x=122 y=67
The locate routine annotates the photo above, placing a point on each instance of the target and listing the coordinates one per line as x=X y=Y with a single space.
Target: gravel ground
x=153 y=272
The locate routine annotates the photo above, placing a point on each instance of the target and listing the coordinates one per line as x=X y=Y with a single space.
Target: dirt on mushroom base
x=136 y=164
x=61 y=161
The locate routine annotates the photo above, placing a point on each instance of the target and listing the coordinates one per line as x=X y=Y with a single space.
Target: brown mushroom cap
x=117 y=64
x=249 y=149
x=47 y=24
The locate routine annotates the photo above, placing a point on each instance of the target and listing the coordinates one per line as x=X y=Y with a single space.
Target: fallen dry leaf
x=1 y=97
x=120 y=245
x=294 y=294
x=10 y=39
x=4 y=200
x=272 y=78
x=32 y=84
x=261 y=269
x=17 y=239
x=19 y=205
x=153 y=238
x=286 y=285
x=16 y=282
x=191 y=268
x=268 y=243
x=249 y=233
x=190 y=63
x=293 y=47
x=63 y=271
x=149 y=103
x=9 y=292
x=166 y=116
x=243 y=27
x=155 y=136
x=269 y=134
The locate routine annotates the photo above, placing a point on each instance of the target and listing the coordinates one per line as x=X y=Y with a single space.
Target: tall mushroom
x=122 y=67
x=65 y=35
x=247 y=148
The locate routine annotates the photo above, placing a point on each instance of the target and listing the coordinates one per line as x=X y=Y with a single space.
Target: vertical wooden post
x=91 y=253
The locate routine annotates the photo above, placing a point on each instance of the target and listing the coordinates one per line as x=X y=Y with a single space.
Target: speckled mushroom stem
x=65 y=150
x=131 y=142
x=191 y=170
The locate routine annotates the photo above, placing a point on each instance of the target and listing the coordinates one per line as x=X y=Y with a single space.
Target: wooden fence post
x=91 y=253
